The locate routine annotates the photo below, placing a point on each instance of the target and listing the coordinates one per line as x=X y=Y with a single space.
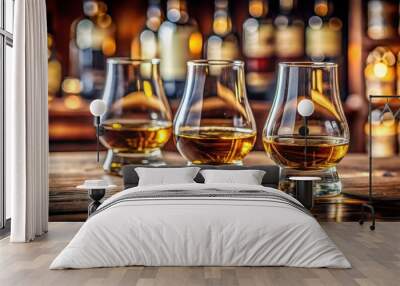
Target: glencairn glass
x=138 y=120
x=306 y=132
x=214 y=123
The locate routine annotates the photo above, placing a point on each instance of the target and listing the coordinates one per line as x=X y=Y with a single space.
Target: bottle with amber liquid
x=223 y=44
x=145 y=45
x=259 y=50
x=92 y=41
x=54 y=66
x=380 y=73
x=382 y=130
x=180 y=41
x=289 y=34
x=398 y=72
x=324 y=34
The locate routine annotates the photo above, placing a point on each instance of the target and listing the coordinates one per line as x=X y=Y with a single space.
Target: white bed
x=225 y=225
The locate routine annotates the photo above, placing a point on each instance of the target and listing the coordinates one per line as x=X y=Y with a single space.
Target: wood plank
x=69 y=169
x=375 y=258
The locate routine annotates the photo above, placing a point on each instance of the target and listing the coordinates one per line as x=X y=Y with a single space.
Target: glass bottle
x=214 y=123
x=324 y=33
x=380 y=73
x=180 y=41
x=381 y=20
x=138 y=122
x=54 y=66
x=398 y=72
x=289 y=34
x=145 y=46
x=383 y=135
x=306 y=132
x=92 y=41
x=259 y=50
x=223 y=44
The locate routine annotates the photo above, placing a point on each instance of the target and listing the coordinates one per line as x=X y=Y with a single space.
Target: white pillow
x=248 y=177
x=166 y=176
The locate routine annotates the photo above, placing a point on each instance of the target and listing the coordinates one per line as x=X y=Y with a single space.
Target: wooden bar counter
x=69 y=169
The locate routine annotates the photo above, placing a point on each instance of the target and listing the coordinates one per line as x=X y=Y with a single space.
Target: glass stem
x=97 y=137
x=305 y=140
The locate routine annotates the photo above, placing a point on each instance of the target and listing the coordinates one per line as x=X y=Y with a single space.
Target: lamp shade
x=98 y=107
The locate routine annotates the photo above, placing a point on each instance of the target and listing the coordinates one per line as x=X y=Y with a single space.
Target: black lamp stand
x=370 y=204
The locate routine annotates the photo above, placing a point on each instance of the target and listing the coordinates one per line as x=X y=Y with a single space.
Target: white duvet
x=190 y=231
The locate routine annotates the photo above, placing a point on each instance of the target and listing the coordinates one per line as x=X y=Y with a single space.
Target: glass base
x=330 y=184
x=115 y=161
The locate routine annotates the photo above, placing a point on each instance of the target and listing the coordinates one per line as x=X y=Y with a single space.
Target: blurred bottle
x=72 y=89
x=259 y=50
x=380 y=73
x=145 y=45
x=381 y=22
x=180 y=41
x=398 y=23
x=92 y=41
x=223 y=44
x=54 y=66
x=398 y=73
x=289 y=35
x=324 y=34
x=383 y=135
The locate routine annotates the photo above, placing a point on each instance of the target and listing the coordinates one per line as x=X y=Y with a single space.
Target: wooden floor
x=375 y=256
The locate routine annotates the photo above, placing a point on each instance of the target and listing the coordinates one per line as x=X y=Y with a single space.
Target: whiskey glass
x=138 y=120
x=214 y=123
x=306 y=132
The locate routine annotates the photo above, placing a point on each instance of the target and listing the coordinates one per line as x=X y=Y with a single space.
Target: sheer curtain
x=27 y=124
